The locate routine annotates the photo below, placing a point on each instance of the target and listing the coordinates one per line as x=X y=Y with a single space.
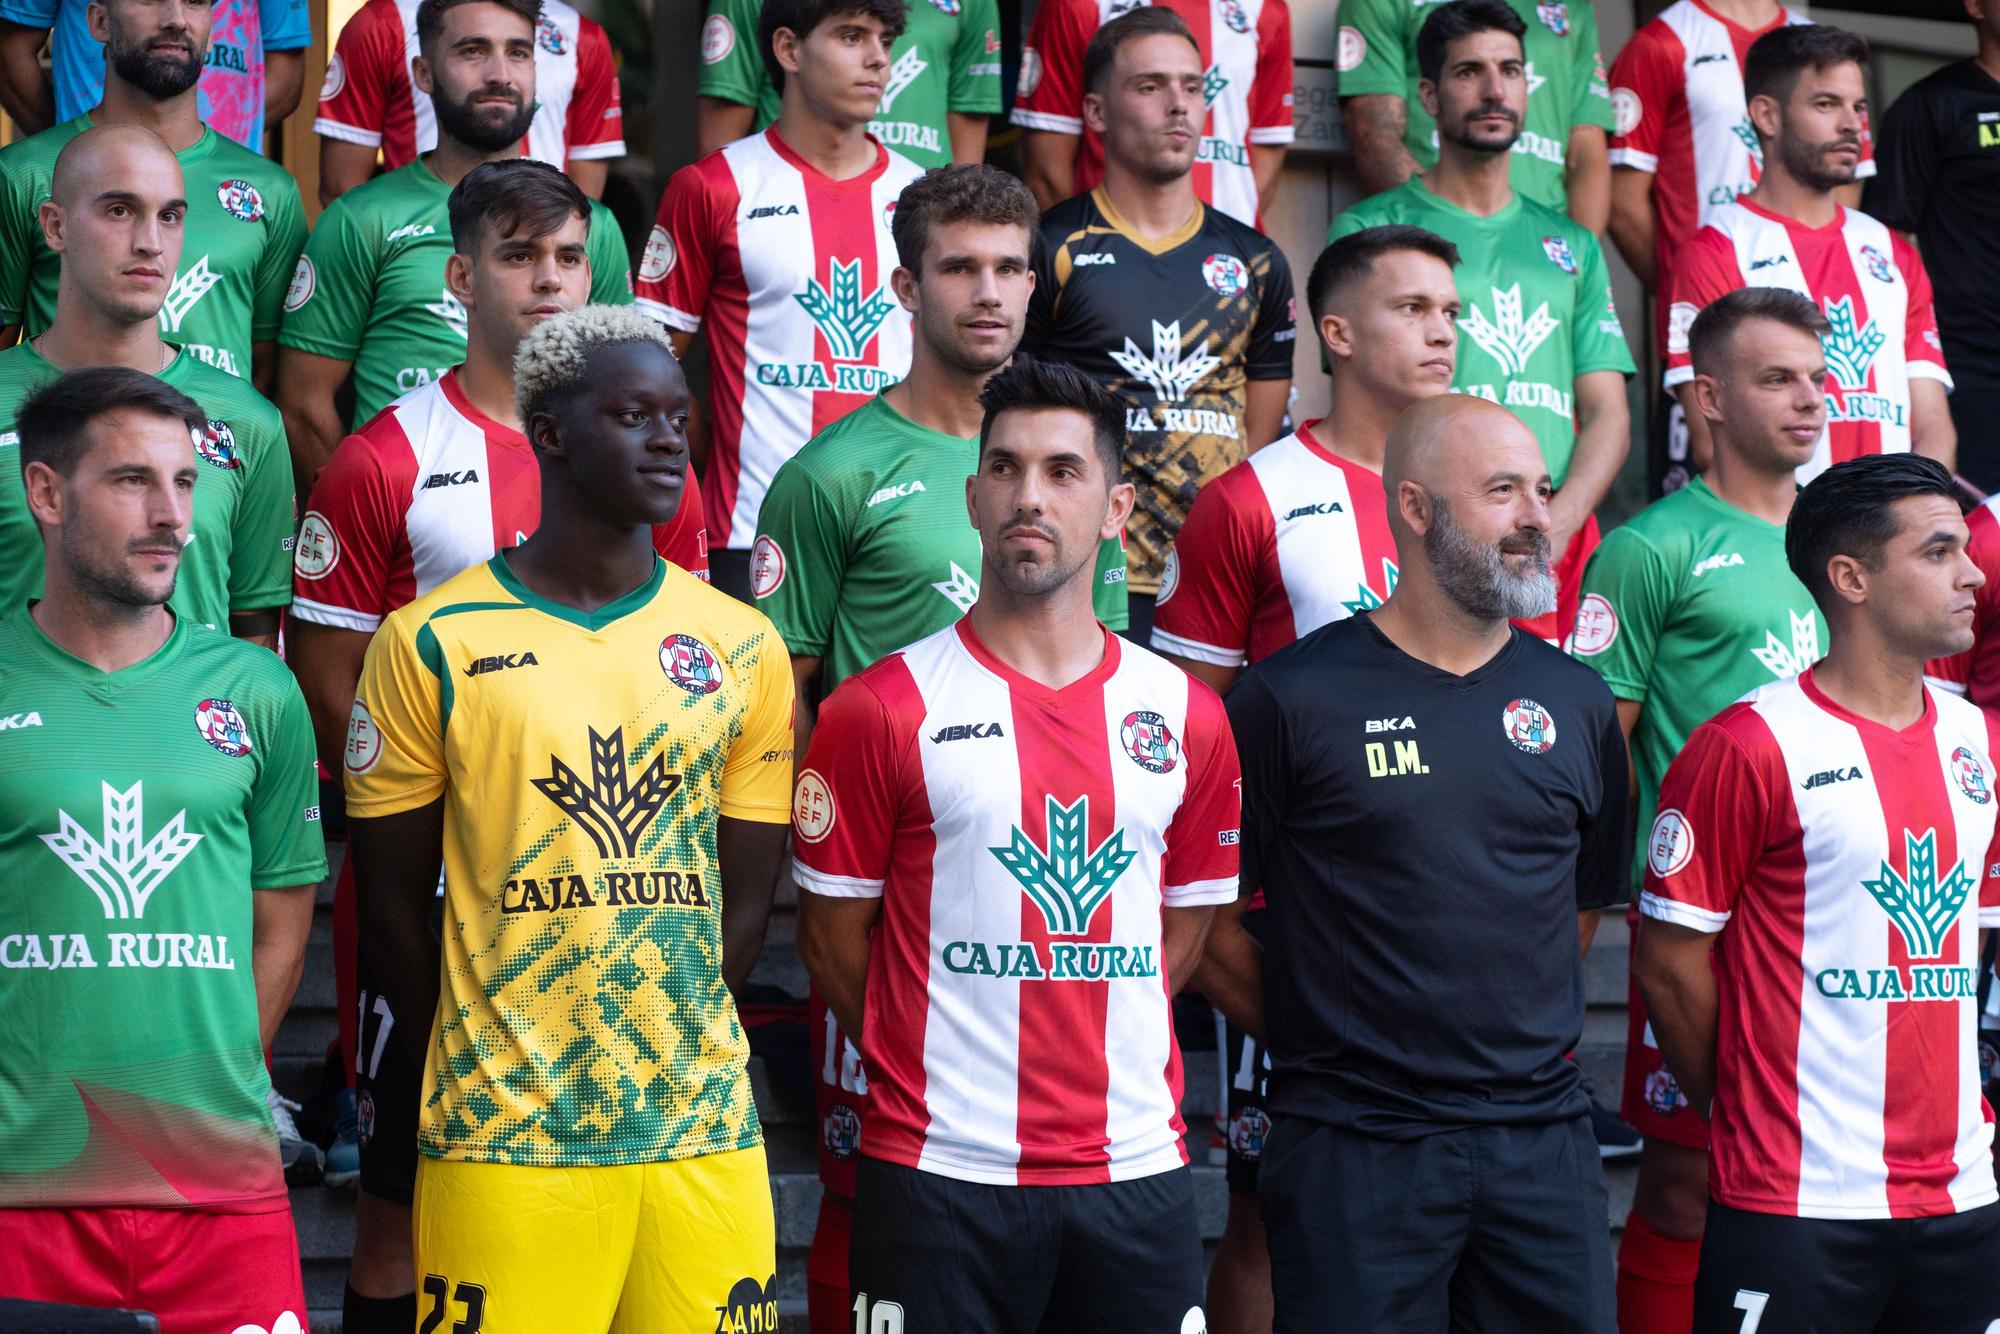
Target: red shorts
x=1653 y=1103
x=1568 y=570
x=828 y=1304
x=200 y=1273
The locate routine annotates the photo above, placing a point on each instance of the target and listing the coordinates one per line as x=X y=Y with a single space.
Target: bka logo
x=1402 y=724
x=1366 y=598
x=848 y=320
x=1067 y=884
x=1922 y=909
x=1850 y=351
x=961 y=590
x=773 y=211
x=966 y=732
x=608 y=806
x=1307 y=511
x=12 y=720
x=1509 y=337
x=190 y=287
x=1149 y=742
x=752 y=1308
x=126 y=868
x=895 y=491
x=1826 y=777
x=1711 y=58
x=410 y=231
x=437 y=479
x=1167 y=371
x=1769 y=262
x=500 y=662
x=1101 y=257
x=690 y=664
x=1784 y=661
x=1212 y=84
x=1721 y=561
x=908 y=67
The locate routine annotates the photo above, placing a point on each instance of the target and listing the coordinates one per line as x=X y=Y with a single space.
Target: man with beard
x=1433 y=839
x=1538 y=334
x=863 y=544
x=243 y=224
x=1809 y=108
x=369 y=297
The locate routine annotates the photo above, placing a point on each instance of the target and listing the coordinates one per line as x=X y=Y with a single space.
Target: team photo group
x=908 y=555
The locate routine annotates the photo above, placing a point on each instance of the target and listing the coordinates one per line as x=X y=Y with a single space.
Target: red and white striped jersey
x=1975 y=673
x=789 y=272
x=1848 y=868
x=1023 y=841
x=1246 y=47
x=368 y=96
x=1875 y=293
x=1285 y=541
x=428 y=487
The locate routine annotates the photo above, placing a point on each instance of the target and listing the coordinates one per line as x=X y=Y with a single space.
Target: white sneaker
x=304 y=1163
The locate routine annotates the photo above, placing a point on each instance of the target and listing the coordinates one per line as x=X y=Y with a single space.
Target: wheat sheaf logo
x=1923 y=909
x=123 y=867
x=1064 y=880
x=614 y=810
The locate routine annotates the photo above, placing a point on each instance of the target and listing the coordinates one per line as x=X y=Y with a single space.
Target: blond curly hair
x=550 y=361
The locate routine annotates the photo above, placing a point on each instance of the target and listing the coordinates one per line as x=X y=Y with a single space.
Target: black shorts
x=1491 y=1228
x=1777 y=1274
x=388 y=1089
x=1246 y=1071
x=943 y=1254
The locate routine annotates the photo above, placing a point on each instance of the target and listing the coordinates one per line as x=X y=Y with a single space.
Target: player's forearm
x=1267 y=168
x=1376 y=124
x=396 y=864
x=312 y=428
x=1264 y=412
x=281 y=921
x=1048 y=165
x=25 y=93
x=1603 y=436
x=834 y=945
x=284 y=80
x=1678 y=984
x=590 y=175
x=1587 y=177
x=1231 y=972
x=968 y=136
x=750 y=855
x=1932 y=433
x=718 y=121
x=1632 y=222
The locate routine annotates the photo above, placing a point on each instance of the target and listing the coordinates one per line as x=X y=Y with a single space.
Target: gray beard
x=1474 y=575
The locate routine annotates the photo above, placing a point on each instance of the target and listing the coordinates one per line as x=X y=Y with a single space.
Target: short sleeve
x=362 y=76
x=678 y=266
x=1646 y=83
x=260 y=553
x=353 y=525
x=1109 y=597
x=683 y=539
x=1276 y=331
x=1598 y=339
x=799 y=559
x=595 y=125
x=286 y=219
x=1593 y=87
x=1345 y=223
x=30 y=13
x=1051 y=91
x=1628 y=593
x=610 y=261
x=286 y=24
x=1922 y=349
x=1705 y=270
x=757 y=776
x=975 y=61
x=287 y=848
x=1263 y=749
x=1909 y=145
x=1710 y=830
x=732 y=63
x=394 y=758
x=1211 y=581
x=333 y=288
x=848 y=796
x=1201 y=864
x=1271 y=118
x=20 y=226
x=1603 y=850
x=1370 y=49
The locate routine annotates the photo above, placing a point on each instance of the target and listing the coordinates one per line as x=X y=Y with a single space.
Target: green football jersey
x=1685 y=610
x=243 y=232
x=370 y=287
x=948 y=59
x=1566 y=81
x=139 y=811
x=864 y=546
x=239 y=551
x=1537 y=306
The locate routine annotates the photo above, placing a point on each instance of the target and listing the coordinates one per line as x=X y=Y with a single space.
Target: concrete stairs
x=325 y=1217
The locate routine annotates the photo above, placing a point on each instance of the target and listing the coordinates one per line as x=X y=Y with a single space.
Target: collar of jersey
x=454 y=394
x=1791 y=224
x=1916 y=732
x=588 y=620
x=86 y=674
x=194 y=152
x=1504 y=218
x=1732 y=26
x=1417 y=666
x=1700 y=487
x=819 y=178
x=1321 y=452
x=896 y=421
x=1152 y=245
x=1084 y=687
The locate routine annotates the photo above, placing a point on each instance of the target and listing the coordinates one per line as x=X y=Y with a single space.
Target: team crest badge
x=1663 y=1094
x=1235 y=15
x=1879 y=267
x=1149 y=742
x=1529 y=726
x=1247 y=1130
x=1670 y=847
x=1558 y=251
x=1225 y=274
x=216 y=444
x=949 y=8
x=1554 y=15
x=221 y=725
x=1971 y=775
x=689 y=665
x=841 y=1132
x=240 y=200
x=767 y=566
x=550 y=38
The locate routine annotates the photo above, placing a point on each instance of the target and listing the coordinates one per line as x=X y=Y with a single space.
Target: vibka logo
x=608 y=806
x=902 y=74
x=189 y=288
x=1169 y=371
x=1509 y=336
x=1785 y=661
x=1064 y=882
x=848 y=319
x=124 y=868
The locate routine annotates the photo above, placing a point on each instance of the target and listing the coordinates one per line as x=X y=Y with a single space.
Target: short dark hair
x=1709 y=335
x=802 y=16
x=1845 y=511
x=967 y=192
x=1029 y=384
x=1353 y=256
x=519 y=195
x=1145 y=21
x=56 y=417
x=430 y=17
x=1462 y=18
x=1774 y=62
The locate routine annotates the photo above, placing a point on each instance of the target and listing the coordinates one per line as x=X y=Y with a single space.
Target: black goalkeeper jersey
x=1424 y=842
x=1177 y=327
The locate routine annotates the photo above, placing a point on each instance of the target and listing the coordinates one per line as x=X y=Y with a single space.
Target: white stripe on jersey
x=1319 y=556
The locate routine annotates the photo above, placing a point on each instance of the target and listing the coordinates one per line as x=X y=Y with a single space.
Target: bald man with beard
x=1433 y=839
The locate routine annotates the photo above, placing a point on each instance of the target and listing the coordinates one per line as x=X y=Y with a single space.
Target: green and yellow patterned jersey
x=583 y=759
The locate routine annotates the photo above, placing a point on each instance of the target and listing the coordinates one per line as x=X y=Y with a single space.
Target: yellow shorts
x=656 y=1247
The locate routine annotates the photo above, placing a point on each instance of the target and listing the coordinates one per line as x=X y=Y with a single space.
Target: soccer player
x=370 y=101
x=1539 y=333
x=1460 y=796
x=250 y=83
x=243 y=224
x=1686 y=609
x=1245 y=122
x=943 y=83
x=1009 y=839
x=595 y=746
x=432 y=485
x=779 y=246
x=1817 y=878
x=1559 y=159
x=370 y=298
x=1939 y=183
x=115 y=222
x=158 y=796
x=1809 y=109
x=1181 y=310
